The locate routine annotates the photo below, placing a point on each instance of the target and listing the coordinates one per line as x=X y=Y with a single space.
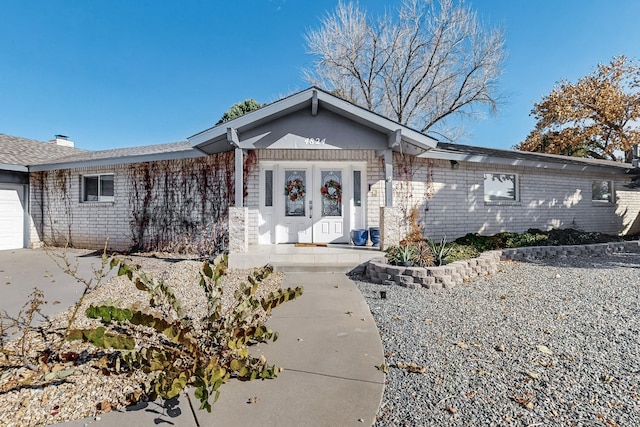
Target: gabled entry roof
x=229 y=135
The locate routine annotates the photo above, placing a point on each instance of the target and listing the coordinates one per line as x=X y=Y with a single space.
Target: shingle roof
x=38 y=155
x=25 y=152
x=116 y=153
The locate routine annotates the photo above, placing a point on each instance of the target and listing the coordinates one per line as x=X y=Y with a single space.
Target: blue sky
x=120 y=73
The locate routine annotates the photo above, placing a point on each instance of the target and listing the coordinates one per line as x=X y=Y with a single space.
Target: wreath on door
x=294 y=190
x=332 y=191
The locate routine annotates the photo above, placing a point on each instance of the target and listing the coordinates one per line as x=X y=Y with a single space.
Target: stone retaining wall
x=539 y=252
x=447 y=276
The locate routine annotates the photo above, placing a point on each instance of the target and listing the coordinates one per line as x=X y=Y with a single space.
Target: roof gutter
x=174 y=155
x=473 y=158
x=13 y=168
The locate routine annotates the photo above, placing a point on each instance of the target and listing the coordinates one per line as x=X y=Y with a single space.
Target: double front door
x=314 y=208
x=310 y=202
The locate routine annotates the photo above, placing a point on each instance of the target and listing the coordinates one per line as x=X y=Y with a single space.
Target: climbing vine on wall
x=62 y=181
x=174 y=205
x=414 y=188
x=38 y=183
x=430 y=190
x=182 y=205
x=404 y=172
x=250 y=161
x=52 y=211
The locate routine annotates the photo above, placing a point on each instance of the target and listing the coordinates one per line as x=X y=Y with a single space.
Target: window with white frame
x=501 y=188
x=97 y=188
x=602 y=192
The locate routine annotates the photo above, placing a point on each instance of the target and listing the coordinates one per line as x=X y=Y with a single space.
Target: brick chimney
x=62 y=140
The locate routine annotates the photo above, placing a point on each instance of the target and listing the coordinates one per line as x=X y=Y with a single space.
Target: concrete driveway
x=23 y=269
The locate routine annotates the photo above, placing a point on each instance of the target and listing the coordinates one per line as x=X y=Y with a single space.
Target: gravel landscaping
x=555 y=342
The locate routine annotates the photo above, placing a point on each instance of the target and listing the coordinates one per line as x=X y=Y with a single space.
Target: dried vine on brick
x=181 y=205
x=249 y=163
x=54 y=211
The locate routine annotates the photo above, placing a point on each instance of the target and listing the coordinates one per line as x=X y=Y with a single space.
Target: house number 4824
x=314 y=141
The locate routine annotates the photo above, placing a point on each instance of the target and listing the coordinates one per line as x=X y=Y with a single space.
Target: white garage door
x=11 y=218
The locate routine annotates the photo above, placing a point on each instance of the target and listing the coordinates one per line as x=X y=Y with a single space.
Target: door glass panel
x=268 y=188
x=331 y=192
x=295 y=192
x=357 y=188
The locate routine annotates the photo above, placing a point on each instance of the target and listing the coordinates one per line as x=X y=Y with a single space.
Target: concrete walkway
x=329 y=346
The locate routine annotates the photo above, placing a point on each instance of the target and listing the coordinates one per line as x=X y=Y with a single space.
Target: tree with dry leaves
x=596 y=117
x=431 y=64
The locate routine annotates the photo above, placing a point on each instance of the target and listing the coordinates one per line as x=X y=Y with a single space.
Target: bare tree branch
x=431 y=62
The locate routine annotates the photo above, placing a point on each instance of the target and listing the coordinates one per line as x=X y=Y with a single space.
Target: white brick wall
x=61 y=218
x=628 y=207
x=186 y=207
x=450 y=201
x=252 y=201
x=548 y=199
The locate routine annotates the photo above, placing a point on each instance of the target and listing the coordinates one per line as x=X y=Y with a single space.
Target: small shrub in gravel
x=473 y=244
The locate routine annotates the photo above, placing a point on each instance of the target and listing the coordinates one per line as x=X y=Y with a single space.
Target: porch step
x=334 y=258
x=314 y=268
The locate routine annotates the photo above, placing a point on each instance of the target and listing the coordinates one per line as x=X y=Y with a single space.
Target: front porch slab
x=335 y=257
